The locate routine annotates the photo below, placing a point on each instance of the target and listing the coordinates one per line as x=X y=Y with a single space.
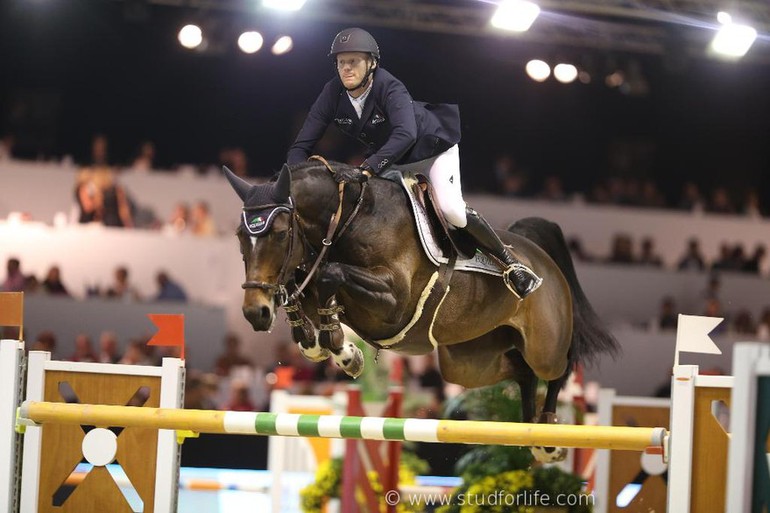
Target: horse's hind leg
x=548 y=416
x=527 y=381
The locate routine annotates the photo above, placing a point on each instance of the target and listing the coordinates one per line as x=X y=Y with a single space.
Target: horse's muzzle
x=260 y=317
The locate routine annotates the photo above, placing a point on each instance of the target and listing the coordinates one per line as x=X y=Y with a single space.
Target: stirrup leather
x=519 y=269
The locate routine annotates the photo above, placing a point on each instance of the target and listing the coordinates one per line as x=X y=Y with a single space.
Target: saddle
x=440 y=241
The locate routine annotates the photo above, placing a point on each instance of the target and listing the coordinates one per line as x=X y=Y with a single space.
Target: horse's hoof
x=549 y=454
x=351 y=360
x=315 y=354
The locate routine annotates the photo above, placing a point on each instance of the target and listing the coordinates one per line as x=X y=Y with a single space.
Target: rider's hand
x=353 y=175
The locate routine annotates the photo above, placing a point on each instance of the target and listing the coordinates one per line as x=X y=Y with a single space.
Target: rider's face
x=351 y=67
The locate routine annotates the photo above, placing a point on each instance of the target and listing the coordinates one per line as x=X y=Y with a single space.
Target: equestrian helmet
x=355 y=40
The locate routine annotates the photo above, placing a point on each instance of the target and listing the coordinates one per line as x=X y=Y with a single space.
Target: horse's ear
x=240 y=185
x=283 y=184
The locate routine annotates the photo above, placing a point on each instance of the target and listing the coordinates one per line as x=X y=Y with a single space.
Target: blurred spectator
x=179 y=222
x=693 y=258
x=691 y=199
x=7 y=142
x=713 y=287
x=45 y=341
x=738 y=257
x=552 y=189
x=430 y=377
x=511 y=181
x=202 y=224
x=235 y=159
x=145 y=159
x=100 y=198
x=648 y=256
x=754 y=264
x=197 y=393
x=622 y=250
x=53 y=284
x=239 y=397
x=725 y=260
x=169 y=290
x=763 y=330
x=108 y=348
x=31 y=284
x=751 y=206
x=121 y=287
x=14 y=279
x=576 y=249
x=84 y=349
x=667 y=318
x=744 y=323
x=231 y=357
x=720 y=202
x=136 y=354
x=651 y=197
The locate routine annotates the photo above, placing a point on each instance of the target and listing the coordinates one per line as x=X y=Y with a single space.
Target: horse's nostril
x=264 y=312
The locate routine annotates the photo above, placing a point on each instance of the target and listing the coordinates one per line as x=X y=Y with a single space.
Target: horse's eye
x=281 y=236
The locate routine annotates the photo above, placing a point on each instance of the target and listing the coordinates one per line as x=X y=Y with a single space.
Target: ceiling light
x=538 y=70
x=565 y=73
x=283 y=5
x=733 y=40
x=191 y=36
x=515 y=15
x=283 y=45
x=250 y=42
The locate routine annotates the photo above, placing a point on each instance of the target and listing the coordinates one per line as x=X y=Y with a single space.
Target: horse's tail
x=590 y=337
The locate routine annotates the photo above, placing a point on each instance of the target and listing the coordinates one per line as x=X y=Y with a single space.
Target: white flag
x=692 y=334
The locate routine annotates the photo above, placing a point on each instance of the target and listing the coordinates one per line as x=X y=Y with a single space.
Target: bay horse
x=360 y=262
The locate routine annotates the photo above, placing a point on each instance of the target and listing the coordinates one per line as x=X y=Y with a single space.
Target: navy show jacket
x=393 y=128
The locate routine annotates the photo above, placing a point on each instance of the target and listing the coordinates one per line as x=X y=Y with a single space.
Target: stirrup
x=521 y=272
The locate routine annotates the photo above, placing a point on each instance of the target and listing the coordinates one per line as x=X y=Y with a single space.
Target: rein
x=326 y=242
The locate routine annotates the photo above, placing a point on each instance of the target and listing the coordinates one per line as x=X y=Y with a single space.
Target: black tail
x=590 y=337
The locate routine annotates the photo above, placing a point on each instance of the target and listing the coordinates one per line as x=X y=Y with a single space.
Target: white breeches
x=444 y=174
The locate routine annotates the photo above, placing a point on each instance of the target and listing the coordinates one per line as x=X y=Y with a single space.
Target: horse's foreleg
x=347 y=356
x=303 y=333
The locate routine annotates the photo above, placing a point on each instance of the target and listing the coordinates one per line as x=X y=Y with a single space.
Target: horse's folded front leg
x=303 y=333
x=345 y=353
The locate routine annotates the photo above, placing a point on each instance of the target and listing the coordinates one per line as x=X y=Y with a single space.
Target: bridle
x=278 y=289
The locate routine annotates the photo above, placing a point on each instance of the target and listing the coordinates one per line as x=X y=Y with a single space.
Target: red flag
x=170 y=331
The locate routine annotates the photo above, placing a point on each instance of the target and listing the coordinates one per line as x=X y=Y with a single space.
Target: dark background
x=73 y=68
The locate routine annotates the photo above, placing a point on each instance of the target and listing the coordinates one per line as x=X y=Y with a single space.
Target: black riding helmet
x=356 y=40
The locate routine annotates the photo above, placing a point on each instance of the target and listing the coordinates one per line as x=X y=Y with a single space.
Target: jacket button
x=363 y=136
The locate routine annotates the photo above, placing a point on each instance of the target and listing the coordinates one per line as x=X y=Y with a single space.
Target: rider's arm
x=318 y=119
x=400 y=113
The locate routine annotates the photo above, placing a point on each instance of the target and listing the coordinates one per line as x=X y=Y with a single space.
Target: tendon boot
x=519 y=278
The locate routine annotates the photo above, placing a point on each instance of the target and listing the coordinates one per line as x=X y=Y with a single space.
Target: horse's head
x=268 y=234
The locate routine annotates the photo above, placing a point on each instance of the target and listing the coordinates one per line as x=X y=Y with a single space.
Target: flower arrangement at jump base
x=502 y=479
x=328 y=481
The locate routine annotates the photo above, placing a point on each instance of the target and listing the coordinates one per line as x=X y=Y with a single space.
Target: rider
x=369 y=104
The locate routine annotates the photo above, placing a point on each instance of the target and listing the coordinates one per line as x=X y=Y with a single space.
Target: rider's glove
x=358 y=174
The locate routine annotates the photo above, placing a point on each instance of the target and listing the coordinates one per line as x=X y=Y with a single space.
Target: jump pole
x=335 y=426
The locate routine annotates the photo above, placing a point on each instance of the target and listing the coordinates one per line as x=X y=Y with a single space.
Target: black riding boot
x=519 y=278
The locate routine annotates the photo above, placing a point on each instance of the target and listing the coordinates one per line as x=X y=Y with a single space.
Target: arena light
x=283 y=5
x=250 y=42
x=565 y=73
x=538 y=70
x=733 y=39
x=190 y=36
x=515 y=15
x=283 y=45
